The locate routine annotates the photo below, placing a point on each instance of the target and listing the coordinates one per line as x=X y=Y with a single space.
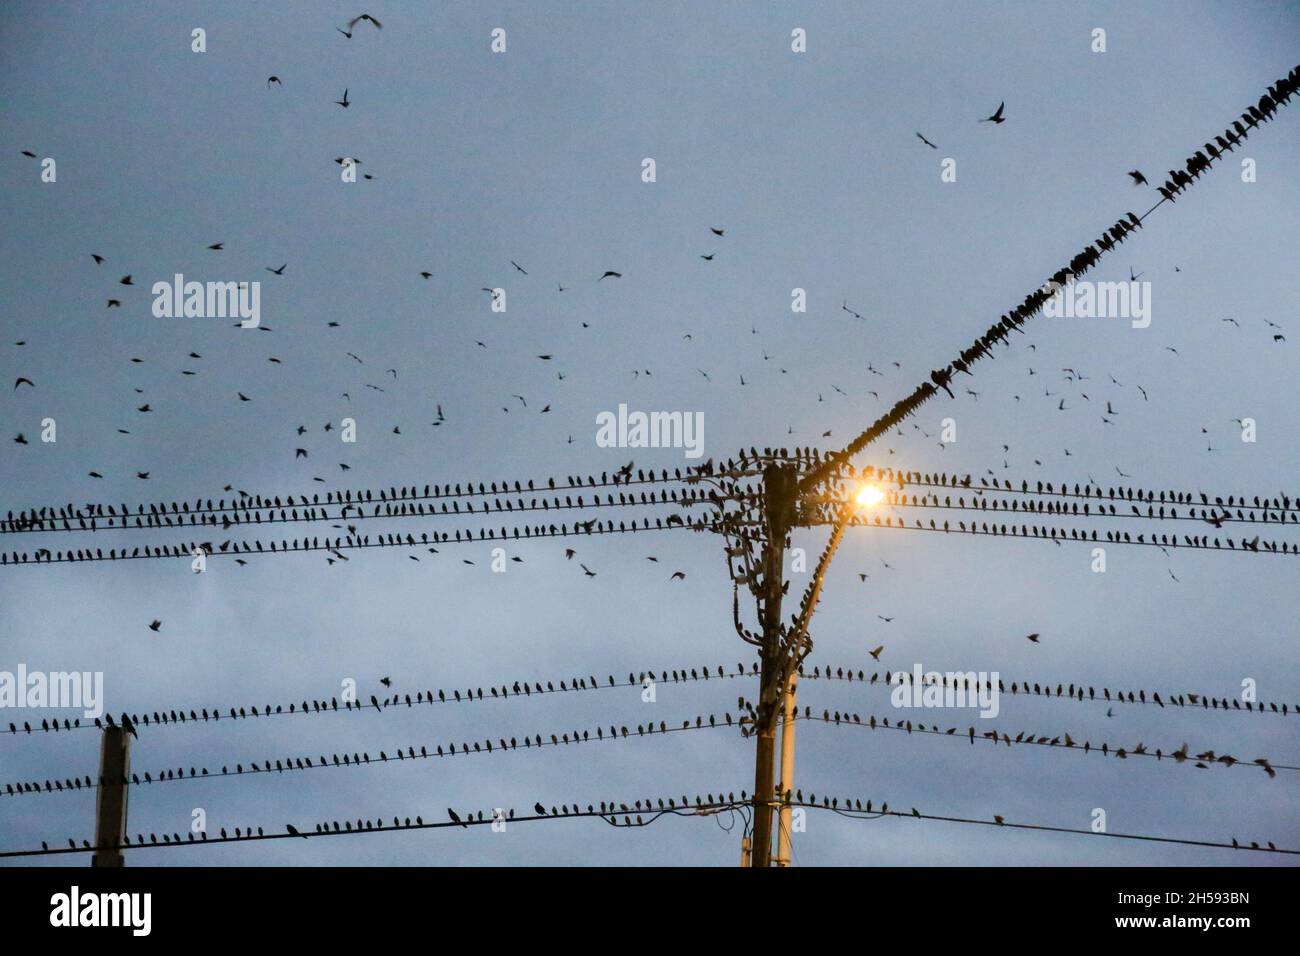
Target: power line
x=194 y=714
x=316 y=707
x=1141 y=696
x=408 y=752
x=349 y=497
x=422 y=698
x=1028 y=506
x=400 y=755
x=1060 y=742
x=401 y=508
x=1058 y=535
x=852 y=809
x=953 y=482
x=45 y=556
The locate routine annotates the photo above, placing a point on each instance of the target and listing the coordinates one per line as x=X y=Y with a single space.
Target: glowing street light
x=870 y=496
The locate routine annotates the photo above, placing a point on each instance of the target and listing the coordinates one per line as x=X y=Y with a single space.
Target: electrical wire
x=852 y=810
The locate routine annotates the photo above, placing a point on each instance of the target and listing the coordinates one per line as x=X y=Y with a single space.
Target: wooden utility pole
x=110 y=804
x=779 y=484
x=783 y=835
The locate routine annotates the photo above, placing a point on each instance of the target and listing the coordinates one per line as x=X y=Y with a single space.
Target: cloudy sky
x=810 y=163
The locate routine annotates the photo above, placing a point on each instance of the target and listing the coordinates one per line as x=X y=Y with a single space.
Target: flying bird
x=875 y=654
x=1138 y=178
x=154 y=625
x=343 y=102
x=997 y=117
x=1033 y=638
x=926 y=141
x=610 y=274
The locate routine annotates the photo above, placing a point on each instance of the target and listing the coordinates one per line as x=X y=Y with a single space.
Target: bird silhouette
x=997 y=116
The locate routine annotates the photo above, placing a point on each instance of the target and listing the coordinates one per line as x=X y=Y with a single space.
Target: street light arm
x=797 y=642
x=735 y=613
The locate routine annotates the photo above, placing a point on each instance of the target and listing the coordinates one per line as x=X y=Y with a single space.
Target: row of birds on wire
x=746 y=724
x=527 y=689
x=334 y=547
x=637 y=813
x=746 y=465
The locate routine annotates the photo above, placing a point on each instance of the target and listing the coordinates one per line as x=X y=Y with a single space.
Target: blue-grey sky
x=810 y=163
